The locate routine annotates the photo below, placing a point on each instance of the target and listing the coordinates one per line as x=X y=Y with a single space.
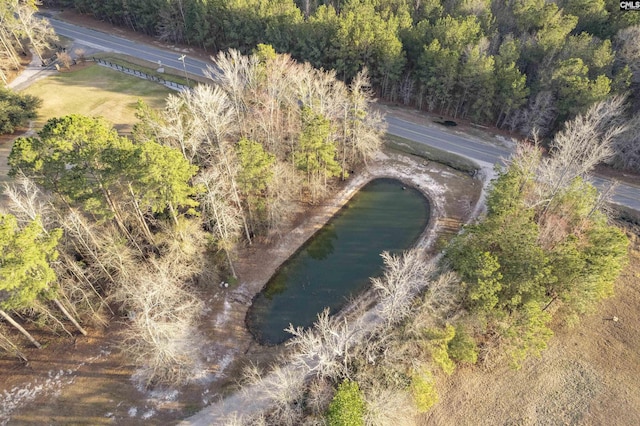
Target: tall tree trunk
x=233 y=187
x=223 y=234
x=19 y=327
x=140 y=217
x=344 y=142
x=47 y=311
x=116 y=214
x=9 y=346
x=70 y=317
x=79 y=275
x=174 y=215
x=8 y=48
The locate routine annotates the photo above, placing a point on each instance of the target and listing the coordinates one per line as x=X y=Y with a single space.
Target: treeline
x=19 y=30
x=544 y=251
x=127 y=223
x=518 y=64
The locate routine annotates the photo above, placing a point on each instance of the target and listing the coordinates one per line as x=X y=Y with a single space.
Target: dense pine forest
x=518 y=64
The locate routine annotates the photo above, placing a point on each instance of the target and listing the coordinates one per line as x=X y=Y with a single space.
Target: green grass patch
x=397 y=143
x=150 y=68
x=96 y=91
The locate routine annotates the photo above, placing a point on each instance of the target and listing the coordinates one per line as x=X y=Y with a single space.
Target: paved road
x=485 y=153
x=627 y=195
x=110 y=43
x=446 y=141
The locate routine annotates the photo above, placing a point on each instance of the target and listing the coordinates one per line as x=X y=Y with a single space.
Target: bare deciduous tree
x=27 y=202
x=440 y=303
x=162 y=337
x=586 y=141
x=9 y=347
x=363 y=128
x=38 y=30
x=234 y=73
x=65 y=60
x=627 y=147
x=629 y=49
x=80 y=54
x=280 y=391
x=403 y=277
x=535 y=117
x=388 y=406
x=320 y=393
x=223 y=216
x=280 y=198
x=325 y=349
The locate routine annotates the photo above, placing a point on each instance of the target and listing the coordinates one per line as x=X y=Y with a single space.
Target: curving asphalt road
x=110 y=43
x=437 y=138
x=625 y=194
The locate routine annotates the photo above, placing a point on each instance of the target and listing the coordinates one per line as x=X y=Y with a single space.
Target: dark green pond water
x=339 y=259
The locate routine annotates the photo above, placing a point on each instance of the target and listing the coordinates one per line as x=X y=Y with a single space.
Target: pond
x=335 y=264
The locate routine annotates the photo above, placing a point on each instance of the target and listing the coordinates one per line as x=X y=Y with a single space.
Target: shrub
x=347 y=406
x=424 y=391
x=438 y=347
x=16 y=110
x=462 y=347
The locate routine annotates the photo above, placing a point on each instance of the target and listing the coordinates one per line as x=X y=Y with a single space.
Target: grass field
x=90 y=90
x=96 y=91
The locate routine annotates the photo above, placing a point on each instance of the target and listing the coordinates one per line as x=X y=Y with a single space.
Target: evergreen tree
x=254 y=176
x=16 y=110
x=25 y=266
x=316 y=155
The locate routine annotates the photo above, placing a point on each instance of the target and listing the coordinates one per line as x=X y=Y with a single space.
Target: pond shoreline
x=452 y=201
x=335 y=264
x=98 y=385
x=453 y=197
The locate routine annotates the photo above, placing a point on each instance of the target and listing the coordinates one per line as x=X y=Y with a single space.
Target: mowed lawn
x=96 y=91
x=92 y=91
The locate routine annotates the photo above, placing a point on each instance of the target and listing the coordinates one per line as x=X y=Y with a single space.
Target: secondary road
x=487 y=153
x=625 y=194
x=437 y=138
x=110 y=43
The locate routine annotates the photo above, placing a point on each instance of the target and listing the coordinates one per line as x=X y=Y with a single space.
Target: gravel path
x=31 y=74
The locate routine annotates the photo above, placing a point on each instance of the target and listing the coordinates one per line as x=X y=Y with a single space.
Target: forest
x=100 y=225
x=217 y=167
x=517 y=64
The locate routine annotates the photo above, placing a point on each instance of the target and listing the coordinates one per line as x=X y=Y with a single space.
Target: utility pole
x=184 y=66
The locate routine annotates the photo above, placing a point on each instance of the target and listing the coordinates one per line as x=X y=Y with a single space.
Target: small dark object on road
x=448 y=123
